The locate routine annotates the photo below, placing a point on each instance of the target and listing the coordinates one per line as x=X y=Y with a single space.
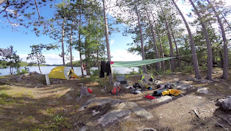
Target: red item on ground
x=150 y=97
x=115 y=90
x=89 y=90
x=111 y=62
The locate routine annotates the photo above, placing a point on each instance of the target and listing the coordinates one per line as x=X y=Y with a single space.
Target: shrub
x=23 y=71
x=187 y=69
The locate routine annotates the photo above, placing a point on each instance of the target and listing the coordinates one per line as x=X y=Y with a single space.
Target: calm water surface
x=47 y=69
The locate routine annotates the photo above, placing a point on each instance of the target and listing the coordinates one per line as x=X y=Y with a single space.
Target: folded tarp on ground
x=138 y=63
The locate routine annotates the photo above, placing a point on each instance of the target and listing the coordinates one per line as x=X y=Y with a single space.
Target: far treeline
x=159 y=28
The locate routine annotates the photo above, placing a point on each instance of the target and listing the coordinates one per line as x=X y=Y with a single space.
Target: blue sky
x=22 y=39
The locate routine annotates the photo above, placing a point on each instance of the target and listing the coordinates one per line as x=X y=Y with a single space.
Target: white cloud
x=124 y=55
x=50 y=58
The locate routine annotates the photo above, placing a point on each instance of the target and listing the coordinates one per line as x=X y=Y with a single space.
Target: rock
x=84 y=128
x=21 y=76
x=148 y=129
x=125 y=106
x=95 y=112
x=28 y=85
x=68 y=97
x=137 y=92
x=26 y=74
x=224 y=104
x=112 y=117
x=184 y=87
x=191 y=79
x=83 y=91
x=18 y=79
x=141 y=112
x=102 y=90
x=99 y=102
x=163 y=99
x=204 y=81
x=203 y=91
x=113 y=110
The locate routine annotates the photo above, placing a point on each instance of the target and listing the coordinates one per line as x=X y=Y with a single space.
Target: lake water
x=47 y=69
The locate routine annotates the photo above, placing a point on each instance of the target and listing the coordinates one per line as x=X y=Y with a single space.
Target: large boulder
x=141 y=112
x=113 y=116
x=163 y=99
x=99 y=102
x=108 y=111
x=224 y=104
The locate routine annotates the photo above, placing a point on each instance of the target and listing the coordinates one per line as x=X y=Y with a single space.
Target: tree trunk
x=225 y=48
x=11 y=72
x=79 y=37
x=141 y=38
x=221 y=57
x=192 y=43
x=172 y=65
x=154 y=42
x=2 y=1
x=161 y=52
x=226 y=21
x=63 y=35
x=71 y=49
x=177 y=51
x=39 y=68
x=206 y=36
x=107 y=39
x=97 y=57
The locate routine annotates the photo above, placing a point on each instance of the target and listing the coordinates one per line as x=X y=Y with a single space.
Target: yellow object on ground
x=62 y=72
x=173 y=92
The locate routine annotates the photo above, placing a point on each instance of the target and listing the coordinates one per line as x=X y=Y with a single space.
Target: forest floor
x=56 y=107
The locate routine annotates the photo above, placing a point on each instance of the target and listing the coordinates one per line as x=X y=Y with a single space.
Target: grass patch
x=6 y=99
x=16 y=91
x=10 y=94
x=58 y=122
x=51 y=111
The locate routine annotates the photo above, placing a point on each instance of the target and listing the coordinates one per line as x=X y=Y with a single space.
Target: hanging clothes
x=108 y=68
x=105 y=67
x=102 y=69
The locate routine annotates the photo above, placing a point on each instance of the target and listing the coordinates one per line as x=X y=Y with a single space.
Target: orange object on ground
x=173 y=92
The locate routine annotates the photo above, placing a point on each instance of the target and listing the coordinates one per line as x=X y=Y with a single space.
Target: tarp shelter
x=138 y=63
x=62 y=72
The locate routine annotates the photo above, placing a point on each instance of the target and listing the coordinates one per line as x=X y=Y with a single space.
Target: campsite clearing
x=58 y=107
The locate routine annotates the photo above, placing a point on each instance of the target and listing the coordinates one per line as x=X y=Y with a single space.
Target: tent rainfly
x=62 y=72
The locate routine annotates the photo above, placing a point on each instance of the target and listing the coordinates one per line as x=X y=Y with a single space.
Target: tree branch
x=7 y=5
x=35 y=2
x=2 y=1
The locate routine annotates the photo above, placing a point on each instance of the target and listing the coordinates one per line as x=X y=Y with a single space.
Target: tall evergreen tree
x=206 y=37
x=192 y=43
